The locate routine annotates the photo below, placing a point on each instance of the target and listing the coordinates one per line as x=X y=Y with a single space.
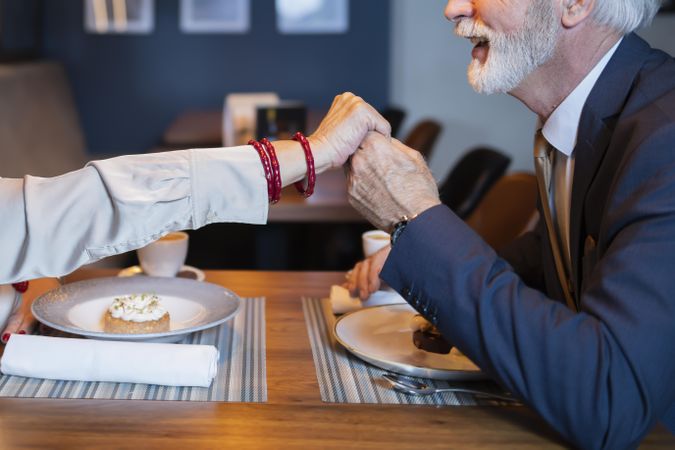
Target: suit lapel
x=589 y=153
x=596 y=126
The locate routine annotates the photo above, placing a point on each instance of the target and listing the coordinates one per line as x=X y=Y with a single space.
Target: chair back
x=395 y=117
x=423 y=137
x=508 y=210
x=471 y=178
x=40 y=130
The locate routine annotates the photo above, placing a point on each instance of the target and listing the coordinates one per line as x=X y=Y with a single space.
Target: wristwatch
x=399 y=227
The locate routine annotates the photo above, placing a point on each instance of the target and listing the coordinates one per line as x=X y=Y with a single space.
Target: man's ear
x=576 y=11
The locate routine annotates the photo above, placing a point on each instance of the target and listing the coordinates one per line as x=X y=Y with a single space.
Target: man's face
x=512 y=38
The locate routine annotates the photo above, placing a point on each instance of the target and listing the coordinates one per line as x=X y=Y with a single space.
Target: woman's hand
x=345 y=126
x=22 y=321
x=364 y=279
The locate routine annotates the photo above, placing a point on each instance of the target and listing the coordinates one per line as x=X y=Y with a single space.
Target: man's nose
x=459 y=9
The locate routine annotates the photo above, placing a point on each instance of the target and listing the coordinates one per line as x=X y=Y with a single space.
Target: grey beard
x=513 y=57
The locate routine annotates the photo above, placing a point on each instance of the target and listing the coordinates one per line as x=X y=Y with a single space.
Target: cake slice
x=136 y=314
x=427 y=337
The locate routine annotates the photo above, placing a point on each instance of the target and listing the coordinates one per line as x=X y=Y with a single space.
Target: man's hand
x=388 y=180
x=364 y=278
x=345 y=126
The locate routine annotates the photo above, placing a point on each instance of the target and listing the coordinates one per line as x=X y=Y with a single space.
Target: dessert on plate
x=136 y=314
x=427 y=337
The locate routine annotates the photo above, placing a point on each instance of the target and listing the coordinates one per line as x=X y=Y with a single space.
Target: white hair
x=625 y=16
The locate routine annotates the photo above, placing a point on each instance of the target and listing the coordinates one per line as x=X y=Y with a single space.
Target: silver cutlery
x=412 y=387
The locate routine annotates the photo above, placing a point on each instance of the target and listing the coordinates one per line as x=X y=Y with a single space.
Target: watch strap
x=398 y=229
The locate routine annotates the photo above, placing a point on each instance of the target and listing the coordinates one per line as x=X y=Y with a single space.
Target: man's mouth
x=481 y=48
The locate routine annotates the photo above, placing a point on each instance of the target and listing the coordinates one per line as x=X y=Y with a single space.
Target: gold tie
x=544 y=169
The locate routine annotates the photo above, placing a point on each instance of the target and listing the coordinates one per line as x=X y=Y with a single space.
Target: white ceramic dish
x=187 y=272
x=79 y=308
x=382 y=336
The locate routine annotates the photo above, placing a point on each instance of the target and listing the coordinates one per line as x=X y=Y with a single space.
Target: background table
x=318 y=233
x=294 y=417
x=328 y=204
x=322 y=232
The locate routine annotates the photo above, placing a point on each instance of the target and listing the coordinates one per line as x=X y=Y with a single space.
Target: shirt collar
x=562 y=126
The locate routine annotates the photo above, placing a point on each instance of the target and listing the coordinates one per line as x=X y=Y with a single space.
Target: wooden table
x=328 y=204
x=204 y=128
x=294 y=416
x=322 y=232
x=195 y=128
x=332 y=219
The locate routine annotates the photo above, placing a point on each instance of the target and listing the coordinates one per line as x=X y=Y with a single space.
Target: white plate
x=381 y=335
x=188 y=272
x=79 y=308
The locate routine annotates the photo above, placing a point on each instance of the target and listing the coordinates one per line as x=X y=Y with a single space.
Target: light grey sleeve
x=51 y=226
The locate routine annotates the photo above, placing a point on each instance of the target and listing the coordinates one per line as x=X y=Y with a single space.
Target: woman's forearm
x=292 y=162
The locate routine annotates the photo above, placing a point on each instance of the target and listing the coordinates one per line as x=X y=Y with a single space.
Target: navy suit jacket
x=603 y=376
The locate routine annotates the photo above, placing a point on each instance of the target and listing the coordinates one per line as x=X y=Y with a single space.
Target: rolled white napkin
x=342 y=302
x=124 y=362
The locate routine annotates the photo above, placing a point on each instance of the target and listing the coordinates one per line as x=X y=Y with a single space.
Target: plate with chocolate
x=397 y=338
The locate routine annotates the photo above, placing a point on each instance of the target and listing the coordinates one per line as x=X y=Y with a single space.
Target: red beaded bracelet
x=276 y=172
x=20 y=287
x=311 y=171
x=266 y=167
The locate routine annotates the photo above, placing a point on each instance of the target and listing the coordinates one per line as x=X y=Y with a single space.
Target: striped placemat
x=241 y=374
x=344 y=378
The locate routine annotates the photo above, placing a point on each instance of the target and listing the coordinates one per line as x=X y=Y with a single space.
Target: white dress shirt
x=561 y=130
x=51 y=226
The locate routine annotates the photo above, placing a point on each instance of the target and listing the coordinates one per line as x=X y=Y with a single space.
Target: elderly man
x=578 y=317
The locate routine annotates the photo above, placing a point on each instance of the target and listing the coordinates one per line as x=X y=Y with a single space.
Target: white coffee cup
x=373 y=241
x=164 y=257
x=10 y=300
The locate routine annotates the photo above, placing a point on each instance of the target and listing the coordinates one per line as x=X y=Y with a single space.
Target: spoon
x=412 y=387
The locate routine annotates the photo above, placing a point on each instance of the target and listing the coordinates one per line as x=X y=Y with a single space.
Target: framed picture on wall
x=119 y=16
x=312 y=16
x=215 y=16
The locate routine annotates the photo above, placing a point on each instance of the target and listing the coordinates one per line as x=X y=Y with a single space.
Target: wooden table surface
x=195 y=128
x=294 y=416
x=328 y=204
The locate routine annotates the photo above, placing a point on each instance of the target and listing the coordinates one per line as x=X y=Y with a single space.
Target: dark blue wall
x=129 y=88
x=20 y=24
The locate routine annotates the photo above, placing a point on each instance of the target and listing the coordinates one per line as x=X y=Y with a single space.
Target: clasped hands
x=386 y=179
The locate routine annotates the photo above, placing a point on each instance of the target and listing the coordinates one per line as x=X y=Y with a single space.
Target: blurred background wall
x=128 y=88
x=428 y=78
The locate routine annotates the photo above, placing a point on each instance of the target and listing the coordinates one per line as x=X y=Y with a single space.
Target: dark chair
x=395 y=117
x=471 y=178
x=423 y=137
x=508 y=209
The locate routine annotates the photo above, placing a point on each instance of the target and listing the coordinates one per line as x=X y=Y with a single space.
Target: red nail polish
x=5 y=337
x=21 y=332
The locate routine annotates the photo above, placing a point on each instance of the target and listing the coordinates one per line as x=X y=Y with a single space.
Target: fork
x=412 y=387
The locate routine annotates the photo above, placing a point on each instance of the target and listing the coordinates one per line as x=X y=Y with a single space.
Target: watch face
x=398 y=229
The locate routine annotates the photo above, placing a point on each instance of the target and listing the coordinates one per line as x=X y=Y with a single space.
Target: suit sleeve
x=524 y=255
x=601 y=377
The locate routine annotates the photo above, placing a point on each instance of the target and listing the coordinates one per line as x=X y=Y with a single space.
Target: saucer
x=188 y=272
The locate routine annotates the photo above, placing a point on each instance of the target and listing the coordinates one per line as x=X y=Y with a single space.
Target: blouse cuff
x=228 y=185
